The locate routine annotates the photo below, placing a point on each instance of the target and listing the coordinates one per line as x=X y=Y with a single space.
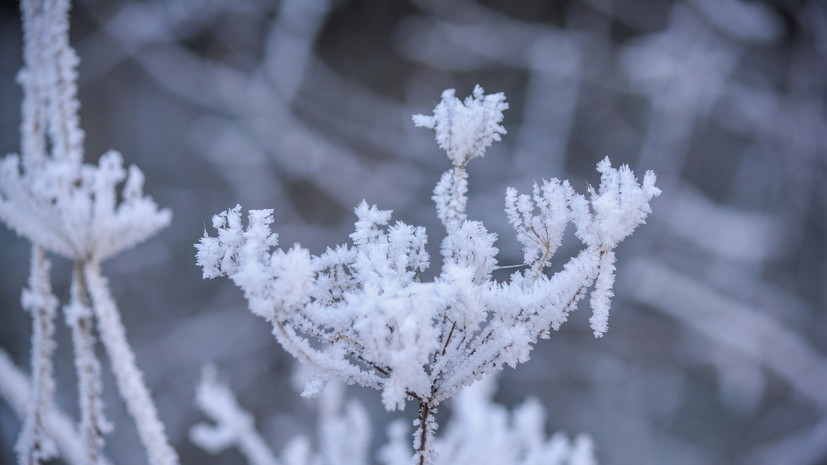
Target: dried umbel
x=360 y=313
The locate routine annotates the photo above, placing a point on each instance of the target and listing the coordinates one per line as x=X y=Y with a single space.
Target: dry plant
x=359 y=312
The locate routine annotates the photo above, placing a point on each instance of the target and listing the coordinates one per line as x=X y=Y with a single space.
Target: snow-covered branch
x=233 y=426
x=34 y=445
x=93 y=423
x=15 y=389
x=128 y=375
x=343 y=434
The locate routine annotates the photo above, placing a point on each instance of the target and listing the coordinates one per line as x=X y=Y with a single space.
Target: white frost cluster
x=464 y=129
x=541 y=233
x=71 y=208
x=48 y=195
x=52 y=198
x=359 y=312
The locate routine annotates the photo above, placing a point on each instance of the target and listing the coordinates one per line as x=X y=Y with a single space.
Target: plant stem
x=130 y=379
x=33 y=444
x=424 y=435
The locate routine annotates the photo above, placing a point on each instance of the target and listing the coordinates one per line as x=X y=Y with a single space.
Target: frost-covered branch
x=93 y=423
x=344 y=431
x=33 y=123
x=33 y=445
x=15 y=388
x=64 y=130
x=233 y=426
x=360 y=313
x=127 y=374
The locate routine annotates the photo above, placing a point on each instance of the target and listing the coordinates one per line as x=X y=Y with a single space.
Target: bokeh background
x=717 y=352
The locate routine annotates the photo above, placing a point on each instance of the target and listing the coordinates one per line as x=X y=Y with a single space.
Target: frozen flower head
x=616 y=208
x=465 y=129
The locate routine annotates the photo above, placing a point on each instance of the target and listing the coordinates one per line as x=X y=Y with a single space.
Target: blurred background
x=717 y=352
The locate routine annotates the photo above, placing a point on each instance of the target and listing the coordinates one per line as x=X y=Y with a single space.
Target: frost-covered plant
x=56 y=428
x=480 y=432
x=58 y=203
x=343 y=434
x=233 y=426
x=360 y=313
